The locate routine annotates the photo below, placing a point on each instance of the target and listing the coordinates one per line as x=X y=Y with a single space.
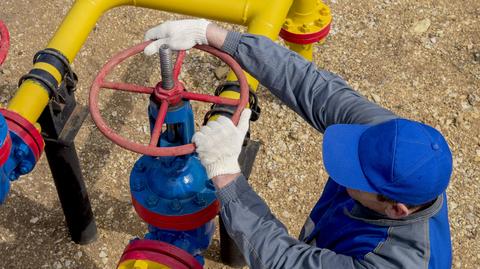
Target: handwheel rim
x=141 y=148
x=4 y=42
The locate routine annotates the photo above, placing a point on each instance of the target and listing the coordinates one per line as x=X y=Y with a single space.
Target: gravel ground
x=420 y=59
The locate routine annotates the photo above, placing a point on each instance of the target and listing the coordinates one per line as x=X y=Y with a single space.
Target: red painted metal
x=159 y=252
x=5 y=149
x=305 y=38
x=167 y=97
x=157 y=129
x=178 y=64
x=177 y=222
x=4 y=42
x=25 y=130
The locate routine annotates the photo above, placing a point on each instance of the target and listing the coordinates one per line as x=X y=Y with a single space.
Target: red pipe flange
x=4 y=42
x=178 y=222
x=25 y=130
x=159 y=252
x=305 y=38
x=165 y=98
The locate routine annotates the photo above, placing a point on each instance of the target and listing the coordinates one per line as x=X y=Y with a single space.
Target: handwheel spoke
x=210 y=98
x=126 y=87
x=157 y=129
x=178 y=64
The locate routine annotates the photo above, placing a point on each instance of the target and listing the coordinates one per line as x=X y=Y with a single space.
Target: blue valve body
x=175 y=186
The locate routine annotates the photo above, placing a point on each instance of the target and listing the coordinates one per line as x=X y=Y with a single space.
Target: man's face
x=387 y=208
x=368 y=200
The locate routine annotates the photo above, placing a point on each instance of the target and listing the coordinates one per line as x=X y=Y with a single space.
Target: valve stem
x=166 y=67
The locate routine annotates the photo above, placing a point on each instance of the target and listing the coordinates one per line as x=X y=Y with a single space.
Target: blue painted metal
x=175 y=186
x=171 y=186
x=4 y=181
x=180 y=121
x=21 y=159
x=193 y=241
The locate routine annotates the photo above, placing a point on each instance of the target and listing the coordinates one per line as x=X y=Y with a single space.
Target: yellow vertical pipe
x=267 y=21
x=305 y=50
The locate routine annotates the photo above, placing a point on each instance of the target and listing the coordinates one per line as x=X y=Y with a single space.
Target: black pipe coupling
x=47 y=80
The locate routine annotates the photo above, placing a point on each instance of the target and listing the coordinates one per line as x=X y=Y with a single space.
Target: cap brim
x=340 y=156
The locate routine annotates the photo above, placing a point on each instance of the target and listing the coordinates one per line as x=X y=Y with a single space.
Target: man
x=384 y=205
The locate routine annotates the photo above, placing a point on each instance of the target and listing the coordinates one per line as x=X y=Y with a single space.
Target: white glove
x=219 y=144
x=178 y=35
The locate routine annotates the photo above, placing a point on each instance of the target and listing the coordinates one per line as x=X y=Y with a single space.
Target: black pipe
x=68 y=178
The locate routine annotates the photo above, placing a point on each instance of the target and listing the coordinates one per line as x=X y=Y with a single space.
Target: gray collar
x=359 y=212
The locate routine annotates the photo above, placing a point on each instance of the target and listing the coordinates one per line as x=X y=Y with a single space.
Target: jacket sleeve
x=264 y=240
x=320 y=97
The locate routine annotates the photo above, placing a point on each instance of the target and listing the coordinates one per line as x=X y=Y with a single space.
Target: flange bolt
x=152 y=201
x=175 y=205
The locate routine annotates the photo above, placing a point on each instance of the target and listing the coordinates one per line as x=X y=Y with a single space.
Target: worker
x=384 y=204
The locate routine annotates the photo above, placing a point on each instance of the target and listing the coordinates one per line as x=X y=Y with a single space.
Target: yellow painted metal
x=305 y=50
x=29 y=101
x=50 y=69
x=305 y=17
x=261 y=17
x=141 y=264
x=267 y=23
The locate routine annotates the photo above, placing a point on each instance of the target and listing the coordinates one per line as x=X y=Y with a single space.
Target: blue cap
x=403 y=160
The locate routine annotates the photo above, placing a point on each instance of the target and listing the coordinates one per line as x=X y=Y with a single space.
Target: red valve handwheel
x=164 y=97
x=4 y=42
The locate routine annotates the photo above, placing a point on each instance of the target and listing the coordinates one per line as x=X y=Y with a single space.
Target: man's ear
x=397 y=211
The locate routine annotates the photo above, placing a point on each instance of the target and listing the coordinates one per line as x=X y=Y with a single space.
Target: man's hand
x=219 y=144
x=184 y=34
x=179 y=35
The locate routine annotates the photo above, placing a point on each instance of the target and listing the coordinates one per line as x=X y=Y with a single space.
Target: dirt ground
x=420 y=59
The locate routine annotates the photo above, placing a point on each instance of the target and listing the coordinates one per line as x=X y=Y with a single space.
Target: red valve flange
x=159 y=252
x=4 y=42
x=164 y=97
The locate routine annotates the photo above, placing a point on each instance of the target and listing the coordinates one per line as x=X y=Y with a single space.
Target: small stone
x=6 y=72
x=78 y=255
x=114 y=113
x=221 y=72
x=293 y=135
x=57 y=265
x=376 y=98
x=285 y=214
x=433 y=40
x=421 y=26
x=472 y=99
x=104 y=260
x=476 y=56
x=279 y=159
x=34 y=220
x=102 y=254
